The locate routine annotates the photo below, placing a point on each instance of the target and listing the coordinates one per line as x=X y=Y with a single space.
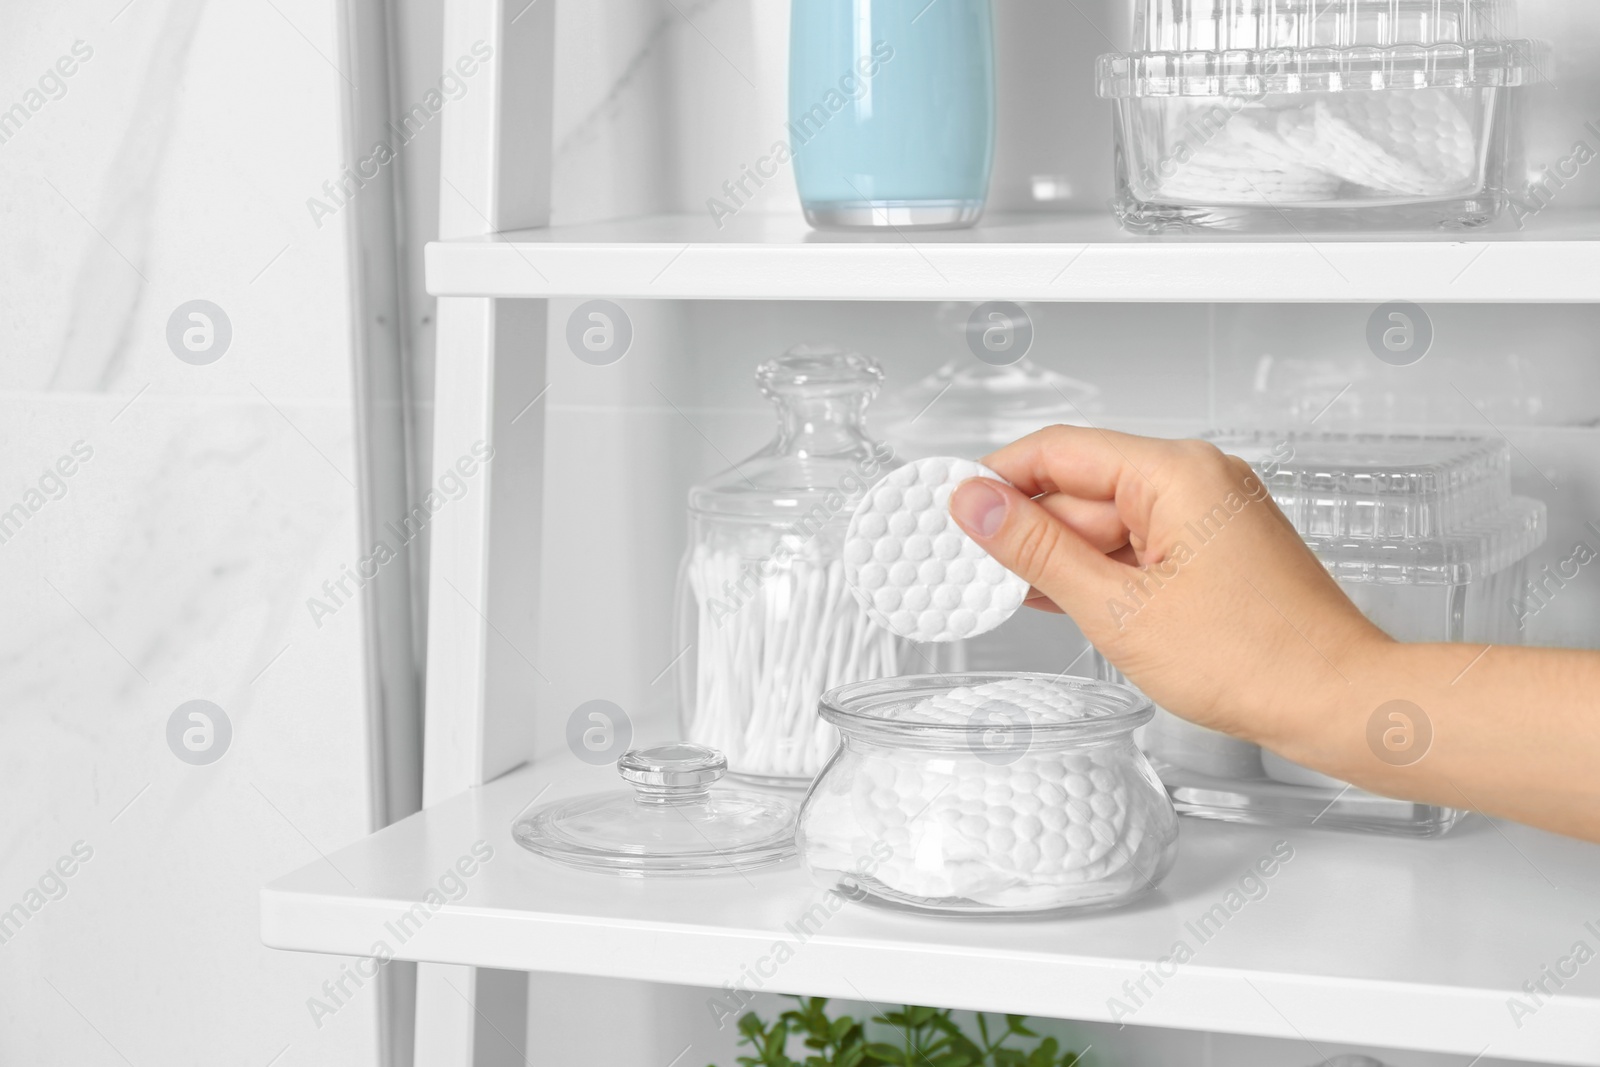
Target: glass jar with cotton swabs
x=764 y=612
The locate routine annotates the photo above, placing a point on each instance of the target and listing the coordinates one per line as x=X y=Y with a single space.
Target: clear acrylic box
x=1425 y=536
x=1287 y=115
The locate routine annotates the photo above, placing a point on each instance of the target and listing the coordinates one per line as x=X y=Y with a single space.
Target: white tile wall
x=178 y=560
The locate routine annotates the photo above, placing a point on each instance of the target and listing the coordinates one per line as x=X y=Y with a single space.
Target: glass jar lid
x=821 y=453
x=671 y=822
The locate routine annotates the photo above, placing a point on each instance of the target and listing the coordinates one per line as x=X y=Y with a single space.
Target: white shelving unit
x=1019 y=257
x=1393 y=943
x=1352 y=941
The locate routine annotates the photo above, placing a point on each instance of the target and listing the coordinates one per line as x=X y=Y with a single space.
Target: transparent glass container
x=987 y=794
x=1425 y=537
x=674 y=820
x=763 y=609
x=891 y=111
x=1284 y=115
x=968 y=409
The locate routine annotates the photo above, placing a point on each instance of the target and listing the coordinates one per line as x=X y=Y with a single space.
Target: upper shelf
x=1353 y=940
x=1555 y=259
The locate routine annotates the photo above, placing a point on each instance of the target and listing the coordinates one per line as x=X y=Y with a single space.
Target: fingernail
x=979 y=507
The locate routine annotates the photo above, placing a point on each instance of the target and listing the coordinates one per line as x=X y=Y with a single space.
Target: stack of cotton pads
x=1295 y=149
x=1045 y=827
x=1018 y=701
x=914 y=570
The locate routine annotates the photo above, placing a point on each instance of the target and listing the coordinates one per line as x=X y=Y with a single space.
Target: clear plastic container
x=1284 y=115
x=891 y=111
x=763 y=609
x=988 y=794
x=674 y=820
x=1425 y=536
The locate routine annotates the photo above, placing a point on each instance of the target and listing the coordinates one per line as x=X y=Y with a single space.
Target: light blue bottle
x=891 y=111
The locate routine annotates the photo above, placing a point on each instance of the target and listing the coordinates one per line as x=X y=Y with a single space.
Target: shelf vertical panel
x=495 y=167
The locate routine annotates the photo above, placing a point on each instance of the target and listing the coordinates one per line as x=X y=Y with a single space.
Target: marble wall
x=166 y=512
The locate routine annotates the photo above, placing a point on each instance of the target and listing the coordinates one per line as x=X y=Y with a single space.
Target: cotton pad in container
x=915 y=572
x=988 y=794
x=1334 y=116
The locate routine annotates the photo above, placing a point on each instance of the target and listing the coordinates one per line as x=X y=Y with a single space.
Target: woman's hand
x=1175 y=562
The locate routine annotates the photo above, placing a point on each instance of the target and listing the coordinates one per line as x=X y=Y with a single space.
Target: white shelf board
x=1360 y=940
x=1086 y=257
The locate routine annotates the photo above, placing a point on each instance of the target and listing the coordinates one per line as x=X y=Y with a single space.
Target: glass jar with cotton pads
x=988 y=794
x=1296 y=115
x=764 y=613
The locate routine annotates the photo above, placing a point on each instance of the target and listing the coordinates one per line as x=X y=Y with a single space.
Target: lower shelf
x=1351 y=939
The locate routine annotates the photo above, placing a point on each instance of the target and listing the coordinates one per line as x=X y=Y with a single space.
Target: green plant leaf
x=1044 y=1055
x=926 y=1037
x=887 y=1053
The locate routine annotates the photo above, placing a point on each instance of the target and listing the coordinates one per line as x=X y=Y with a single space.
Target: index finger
x=1080 y=461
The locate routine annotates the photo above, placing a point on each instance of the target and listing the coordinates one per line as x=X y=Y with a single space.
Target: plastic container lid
x=1411 y=509
x=1210 y=48
x=671 y=822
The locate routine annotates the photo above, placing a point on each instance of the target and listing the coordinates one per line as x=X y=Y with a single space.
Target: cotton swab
x=762 y=663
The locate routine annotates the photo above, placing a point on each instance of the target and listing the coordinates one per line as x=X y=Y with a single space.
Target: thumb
x=1035 y=545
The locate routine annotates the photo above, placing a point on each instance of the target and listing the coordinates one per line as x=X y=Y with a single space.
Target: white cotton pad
x=1005 y=832
x=1034 y=701
x=1410 y=142
x=913 y=569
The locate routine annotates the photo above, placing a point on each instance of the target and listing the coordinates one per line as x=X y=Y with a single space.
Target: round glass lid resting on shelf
x=1337 y=114
x=891 y=111
x=762 y=604
x=671 y=822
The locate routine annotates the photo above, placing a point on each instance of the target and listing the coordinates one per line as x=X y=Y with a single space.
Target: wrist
x=1327 y=727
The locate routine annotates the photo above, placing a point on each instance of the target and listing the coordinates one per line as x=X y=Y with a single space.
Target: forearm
x=1511 y=732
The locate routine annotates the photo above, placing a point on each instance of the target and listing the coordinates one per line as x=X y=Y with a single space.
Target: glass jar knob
x=672 y=774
